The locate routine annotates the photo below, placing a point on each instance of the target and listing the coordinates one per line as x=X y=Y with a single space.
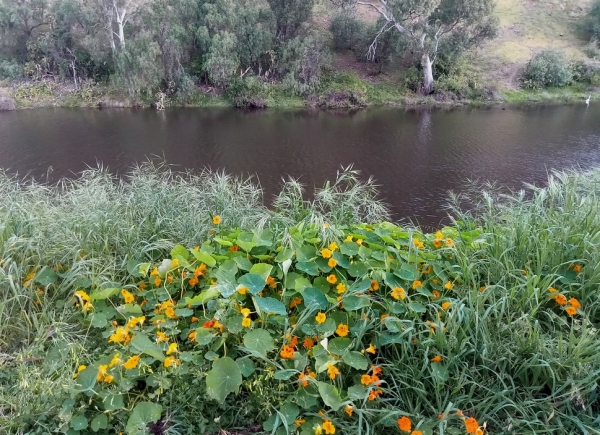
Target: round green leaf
x=99 y=422
x=142 y=414
x=224 y=378
x=259 y=341
x=79 y=422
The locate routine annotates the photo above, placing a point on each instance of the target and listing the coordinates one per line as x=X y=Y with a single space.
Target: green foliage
x=347 y=30
x=547 y=69
x=290 y=15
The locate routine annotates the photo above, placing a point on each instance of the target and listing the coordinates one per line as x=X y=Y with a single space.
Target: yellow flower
x=132 y=362
x=349 y=239
x=171 y=361
x=320 y=318
x=246 y=322
x=134 y=321
x=242 y=290
x=115 y=360
x=299 y=422
x=439 y=235
x=326 y=253
x=79 y=370
x=172 y=349
x=82 y=295
x=332 y=279
x=333 y=246
x=398 y=293
x=121 y=335
x=332 y=262
x=170 y=313
x=216 y=220
x=359 y=242
x=341 y=288
x=108 y=379
x=446 y=305
x=342 y=330
x=101 y=372
x=371 y=349
x=418 y=243
x=154 y=272
x=192 y=336
x=318 y=430
x=87 y=306
x=349 y=410
x=449 y=242
x=417 y=284
x=332 y=371
x=366 y=380
x=448 y=286
x=552 y=290
x=245 y=312
x=325 y=225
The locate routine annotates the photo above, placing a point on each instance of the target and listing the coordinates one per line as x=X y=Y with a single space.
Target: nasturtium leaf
x=379 y=255
x=328 y=327
x=264 y=236
x=211 y=356
x=260 y=341
x=180 y=251
x=204 y=336
x=321 y=283
x=98 y=320
x=360 y=286
x=284 y=254
x=392 y=280
x=284 y=375
x=357 y=269
x=357 y=392
x=330 y=395
x=205 y=258
x=79 y=422
x=113 y=402
x=245 y=241
x=386 y=338
x=262 y=269
x=225 y=377
x=339 y=345
x=253 y=282
x=309 y=267
x=301 y=283
x=106 y=293
x=364 y=252
x=342 y=260
x=397 y=308
x=46 y=276
x=99 y=422
x=417 y=308
x=133 y=267
x=142 y=414
x=354 y=303
x=86 y=380
x=272 y=423
x=143 y=269
x=203 y=297
x=184 y=312
x=321 y=263
x=222 y=241
x=133 y=309
x=349 y=248
x=289 y=412
x=246 y=365
x=304 y=399
x=356 y=360
x=243 y=263
x=314 y=299
x=271 y=306
x=143 y=344
x=408 y=272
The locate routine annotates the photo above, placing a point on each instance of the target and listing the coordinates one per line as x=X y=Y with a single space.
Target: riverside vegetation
x=178 y=303
x=324 y=53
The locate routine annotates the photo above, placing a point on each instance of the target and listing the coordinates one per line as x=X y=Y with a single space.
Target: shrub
x=10 y=70
x=346 y=30
x=591 y=50
x=548 y=69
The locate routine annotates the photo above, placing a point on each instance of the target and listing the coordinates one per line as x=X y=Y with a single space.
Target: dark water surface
x=416 y=156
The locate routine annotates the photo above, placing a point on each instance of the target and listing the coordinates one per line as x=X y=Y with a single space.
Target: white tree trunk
x=121 y=34
x=427 y=65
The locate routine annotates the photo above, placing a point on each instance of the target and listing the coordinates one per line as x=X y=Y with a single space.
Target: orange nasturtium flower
x=161 y=336
x=560 y=299
x=374 y=285
x=471 y=425
x=246 y=322
x=332 y=279
x=332 y=371
x=326 y=253
x=366 y=380
x=418 y=243
x=374 y=394
x=349 y=410
x=171 y=361
x=320 y=318
x=216 y=220
x=404 y=424
x=448 y=286
x=436 y=359
x=328 y=427
x=121 y=335
x=575 y=303
x=303 y=379
x=398 y=293
x=446 y=305
x=128 y=297
x=332 y=262
x=192 y=336
x=342 y=330
x=371 y=349
x=308 y=343
x=193 y=281
x=271 y=282
x=287 y=352
x=417 y=284
x=571 y=310
x=132 y=362
x=576 y=268
x=341 y=288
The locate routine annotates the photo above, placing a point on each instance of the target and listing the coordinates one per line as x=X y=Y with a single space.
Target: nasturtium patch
x=224 y=378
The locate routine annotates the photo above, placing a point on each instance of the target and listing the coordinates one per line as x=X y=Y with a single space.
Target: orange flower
x=332 y=279
x=416 y=432
x=170 y=313
x=366 y=380
x=374 y=394
x=287 y=352
x=576 y=268
x=575 y=303
x=471 y=425
x=308 y=343
x=448 y=285
x=332 y=371
x=320 y=318
x=552 y=290
x=216 y=219
x=398 y=293
x=271 y=282
x=246 y=322
x=459 y=413
x=157 y=281
x=200 y=270
x=294 y=302
x=436 y=359
x=128 y=297
x=560 y=299
x=234 y=248
x=437 y=243
x=404 y=424
x=349 y=410
x=417 y=284
x=332 y=262
x=193 y=281
x=328 y=427
x=302 y=380
x=326 y=253
x=121 y=335
x=341 y=288
x=446 y=305
x=436 y=294
x=132 y=362
x=194 y=319
x=192 y=336
x=418 y=243
x=377 y=370
x=342 y=330
x=371 y=349
x=374 y=285
x=161 y=336
x=209 y=324
x=571 y=311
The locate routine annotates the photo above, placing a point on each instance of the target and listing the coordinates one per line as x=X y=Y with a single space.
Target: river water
x=416 y=156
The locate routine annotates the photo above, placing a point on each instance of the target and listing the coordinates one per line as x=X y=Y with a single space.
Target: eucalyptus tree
x=433 y=27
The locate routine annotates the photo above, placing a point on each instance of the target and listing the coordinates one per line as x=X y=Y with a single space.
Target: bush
x=346 y=30
x=591 y=50
x=10 y=70
x=247 y=93
x=548 y=69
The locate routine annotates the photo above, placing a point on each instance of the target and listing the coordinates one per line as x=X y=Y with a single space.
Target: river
x=416 y=156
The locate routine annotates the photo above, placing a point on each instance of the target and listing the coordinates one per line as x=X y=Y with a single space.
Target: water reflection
x=416 y=156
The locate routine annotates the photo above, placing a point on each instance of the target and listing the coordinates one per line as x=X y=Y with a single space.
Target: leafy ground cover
x=300 y=319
